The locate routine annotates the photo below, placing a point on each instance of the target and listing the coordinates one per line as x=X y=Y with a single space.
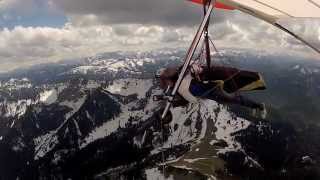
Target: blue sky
x=41 y=18
x=38 y=13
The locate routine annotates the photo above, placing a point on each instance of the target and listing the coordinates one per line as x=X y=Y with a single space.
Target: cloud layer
x=127 y=25
x=234 y=26
x=29 y=45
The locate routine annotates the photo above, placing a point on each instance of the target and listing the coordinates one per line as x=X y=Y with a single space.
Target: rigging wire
x=219 y=54
x=230 y=64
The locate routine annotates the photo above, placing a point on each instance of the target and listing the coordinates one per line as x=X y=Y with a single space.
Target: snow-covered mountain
x=97 y=120
x=69 y=118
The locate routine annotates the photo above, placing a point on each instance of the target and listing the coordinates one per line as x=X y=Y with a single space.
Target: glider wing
x=273 y=11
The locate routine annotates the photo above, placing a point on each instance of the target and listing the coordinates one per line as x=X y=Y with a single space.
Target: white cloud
x=90 y=30
x=246 y=31
x=30 y=45
x=23 y=46
x=231 y=28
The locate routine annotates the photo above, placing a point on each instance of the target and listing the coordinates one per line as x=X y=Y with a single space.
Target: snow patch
x=102 y=66
x=212 y=142
x=226 y=126
x=206 y=110
x=211 y=177
x=44 y=144
x=48 y=97
x=130 y=86
x=84 y=69
x=156 y=174
x=92 y=84
x=121 y=120
x=112 y=125
x=184 y=133
x=74 y=105
x=77 y=128
x=223 y=120
x=14 y=84
x=296 y=67
x=15 y=108
x=12 y=124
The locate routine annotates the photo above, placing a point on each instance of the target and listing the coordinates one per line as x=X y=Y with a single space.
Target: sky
x=42 y=31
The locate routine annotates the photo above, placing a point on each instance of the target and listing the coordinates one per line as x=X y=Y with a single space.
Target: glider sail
x=278 y=9
x=273 y=11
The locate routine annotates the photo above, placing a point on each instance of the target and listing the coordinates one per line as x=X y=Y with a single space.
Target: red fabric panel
x=217 y=4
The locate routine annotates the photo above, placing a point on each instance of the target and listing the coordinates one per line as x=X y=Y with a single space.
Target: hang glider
x=271 y=11
x=274 y=11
